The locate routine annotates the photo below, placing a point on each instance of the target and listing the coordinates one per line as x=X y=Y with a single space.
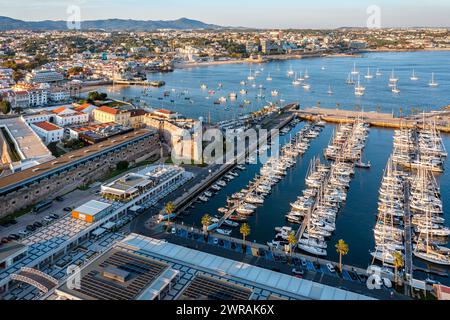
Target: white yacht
x=368 y=75
x=414 y=77
x=433 y=83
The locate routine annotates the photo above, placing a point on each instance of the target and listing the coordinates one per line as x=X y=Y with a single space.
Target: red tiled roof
x=109 y=110
x=47 y=126
x=59 y=110
x=82 y=107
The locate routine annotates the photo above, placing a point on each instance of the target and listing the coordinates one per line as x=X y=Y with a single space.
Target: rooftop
x=117 y=275
x=93 y=207
x=213 y=277
x=47 y=126
x=69 y=158
x=30 y=145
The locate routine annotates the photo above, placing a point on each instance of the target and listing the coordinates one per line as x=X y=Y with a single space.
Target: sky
x=245 y=13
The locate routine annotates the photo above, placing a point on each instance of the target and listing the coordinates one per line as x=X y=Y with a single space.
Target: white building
x=48 y=132
x=65 y=116
x=59 y=95
x=44 y=76
x=38 y=98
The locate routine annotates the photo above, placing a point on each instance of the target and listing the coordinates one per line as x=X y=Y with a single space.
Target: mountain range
x=7 y=24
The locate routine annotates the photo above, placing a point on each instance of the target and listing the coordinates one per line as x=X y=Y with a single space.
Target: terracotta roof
x=68 y=158
x=47 y=126
x=59 y=110
x=109 y=110
x=83 y=106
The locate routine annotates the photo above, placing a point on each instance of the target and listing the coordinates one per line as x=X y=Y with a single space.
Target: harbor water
x=357 y=218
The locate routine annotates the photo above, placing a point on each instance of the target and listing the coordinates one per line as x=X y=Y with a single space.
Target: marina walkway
x=384 y=120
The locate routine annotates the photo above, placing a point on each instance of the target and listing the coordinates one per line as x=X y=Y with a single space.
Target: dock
x=376 y=119
x=409 y=268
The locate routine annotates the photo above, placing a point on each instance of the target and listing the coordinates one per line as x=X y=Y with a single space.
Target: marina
x=392 y=97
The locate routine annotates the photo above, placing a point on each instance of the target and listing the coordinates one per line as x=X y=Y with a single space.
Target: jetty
x=376 y=119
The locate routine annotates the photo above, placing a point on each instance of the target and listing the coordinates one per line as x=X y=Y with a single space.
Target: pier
x=376 y=119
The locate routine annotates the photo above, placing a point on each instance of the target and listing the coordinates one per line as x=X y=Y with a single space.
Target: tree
x=5 y=106
x=398 y=263
x=122 y=165
x=338 y=105
x=95 y=95
x=292 y=240
x=401 y=111
x=379 y=109
x=342 y=249
x=169 y=208
x=245 y=231
x=206 y=222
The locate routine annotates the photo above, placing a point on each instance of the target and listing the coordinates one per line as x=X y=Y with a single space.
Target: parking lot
x=304 y=268
x=23 y=225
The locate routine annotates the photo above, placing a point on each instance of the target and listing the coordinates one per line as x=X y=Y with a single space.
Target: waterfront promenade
x=375 y=119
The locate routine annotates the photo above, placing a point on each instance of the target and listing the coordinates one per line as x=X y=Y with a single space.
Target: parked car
x=331 y=268
x=67 y=209
x=216 y=241
x=5 y=240
x=37 y=224
x=54 y=216
x=174 y=230
x=23 y=233
x=303 y=262
x=31 y=228
x=59 y=199
x=298 y=272
x=13 y=237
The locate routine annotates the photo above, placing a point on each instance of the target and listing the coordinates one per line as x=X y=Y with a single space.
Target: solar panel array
x=142 y=273
x=207 y=288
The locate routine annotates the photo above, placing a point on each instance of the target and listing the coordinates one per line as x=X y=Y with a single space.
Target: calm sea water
x=416 y=94
x=356 y=220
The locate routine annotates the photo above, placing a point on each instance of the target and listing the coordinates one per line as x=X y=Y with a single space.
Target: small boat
x=395 y=89
x=222 y=210
x=393 y=78
x=269 y=78
x=231 y=224
x=307 y=86
x=330 y=92
x=378 y=73
x=274 y=93
x=354 y=71
x=433 y=83
x=312 y=250
x=368 y=75
x=306 y=76
x=203 y=199
x=362 y=165
x=414 y=77
x=225 y=232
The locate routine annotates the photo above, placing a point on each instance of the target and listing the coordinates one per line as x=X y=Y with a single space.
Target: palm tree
x=245 y=231
x=342 y=249
x=398 y=263
x=206 y=222
x=338 y=105
x=169 y=208
x=292 y=240
x=401 y=111
x=379 y=109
